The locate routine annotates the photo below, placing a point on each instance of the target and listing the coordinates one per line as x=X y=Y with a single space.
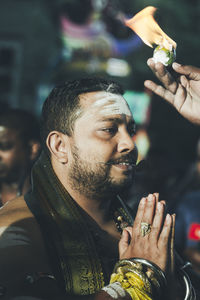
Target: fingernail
x=176 y=65
x=163 y=202
x=168 y=218
x=156 y=194
x=150 y=197
x=142 y=201
x=149 y=61
x=159 y=205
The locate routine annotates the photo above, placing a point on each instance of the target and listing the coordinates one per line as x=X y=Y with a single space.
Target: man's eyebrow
x=116 y=120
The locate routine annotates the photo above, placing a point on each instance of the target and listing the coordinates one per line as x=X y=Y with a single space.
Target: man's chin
x=121 y=185
x=112 y=188
x=126 y=178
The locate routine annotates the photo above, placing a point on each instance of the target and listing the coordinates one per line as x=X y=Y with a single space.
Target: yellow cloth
x=137 y=287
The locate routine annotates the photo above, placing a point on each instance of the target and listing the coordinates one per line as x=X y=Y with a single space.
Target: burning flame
x=145 y=26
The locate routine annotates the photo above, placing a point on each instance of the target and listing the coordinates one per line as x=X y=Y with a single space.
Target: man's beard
x=95 y=183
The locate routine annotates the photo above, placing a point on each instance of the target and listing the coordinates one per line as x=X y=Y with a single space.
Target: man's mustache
x=139 y=167
x=130 y=158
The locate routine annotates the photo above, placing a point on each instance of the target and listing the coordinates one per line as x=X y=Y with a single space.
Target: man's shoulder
x=18 y=226
x=22 y=249
x=13 y=211
x=16 y=217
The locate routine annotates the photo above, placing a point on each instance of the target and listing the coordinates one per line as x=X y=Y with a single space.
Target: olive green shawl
x=69 y=242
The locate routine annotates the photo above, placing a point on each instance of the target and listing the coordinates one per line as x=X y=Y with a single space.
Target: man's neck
x=98 y=209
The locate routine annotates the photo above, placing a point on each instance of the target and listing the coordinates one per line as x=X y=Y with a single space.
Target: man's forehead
x=105 y=103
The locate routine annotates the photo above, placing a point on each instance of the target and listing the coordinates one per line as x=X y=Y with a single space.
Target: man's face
x=13 y=155
x=103 y=154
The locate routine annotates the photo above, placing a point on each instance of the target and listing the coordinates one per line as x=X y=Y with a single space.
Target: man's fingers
x=157 y=67
x=156 y=196
x=165 y=233
x=157 y=222
x=159 y=90
x=163 y=75
x=140 y=212
x=124 y=241
x=149 y=209
x=191 y=71
x=176 y=100
x=146 y=217
x=179 y=100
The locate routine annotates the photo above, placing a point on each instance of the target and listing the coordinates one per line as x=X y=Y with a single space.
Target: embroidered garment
x=74 y=250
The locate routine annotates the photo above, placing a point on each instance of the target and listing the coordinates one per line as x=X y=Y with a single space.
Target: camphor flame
x=145 y=26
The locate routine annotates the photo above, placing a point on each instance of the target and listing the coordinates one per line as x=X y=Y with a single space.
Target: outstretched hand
x=183 y=93
x=154 y=246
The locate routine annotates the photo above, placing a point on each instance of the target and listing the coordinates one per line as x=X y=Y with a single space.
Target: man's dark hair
x=60 y=108
x=23 y=122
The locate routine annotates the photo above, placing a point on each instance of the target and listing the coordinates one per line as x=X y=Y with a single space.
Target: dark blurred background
x=43 y=42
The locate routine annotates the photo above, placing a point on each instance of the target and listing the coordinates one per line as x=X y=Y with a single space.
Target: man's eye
x=132 y=131
x=110 y=130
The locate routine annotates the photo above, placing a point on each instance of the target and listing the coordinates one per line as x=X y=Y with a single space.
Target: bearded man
x=61 y=240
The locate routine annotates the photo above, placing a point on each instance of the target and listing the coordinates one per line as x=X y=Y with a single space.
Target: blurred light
x=139 y=103
x=143 y=143
x=99 y=5
x=117 y=67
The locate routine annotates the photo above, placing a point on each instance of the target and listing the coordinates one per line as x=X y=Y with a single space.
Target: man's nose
x=126 y=143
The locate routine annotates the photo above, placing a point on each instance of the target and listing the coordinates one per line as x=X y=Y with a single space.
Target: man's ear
x=57 y=143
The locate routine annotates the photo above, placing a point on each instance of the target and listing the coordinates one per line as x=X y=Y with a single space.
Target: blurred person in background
x=19 y=147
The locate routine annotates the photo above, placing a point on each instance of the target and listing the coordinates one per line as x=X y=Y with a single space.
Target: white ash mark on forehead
x=110 y=87
x=111 y=104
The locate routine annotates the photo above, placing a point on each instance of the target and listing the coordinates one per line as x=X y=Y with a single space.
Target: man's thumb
x=124 y=241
